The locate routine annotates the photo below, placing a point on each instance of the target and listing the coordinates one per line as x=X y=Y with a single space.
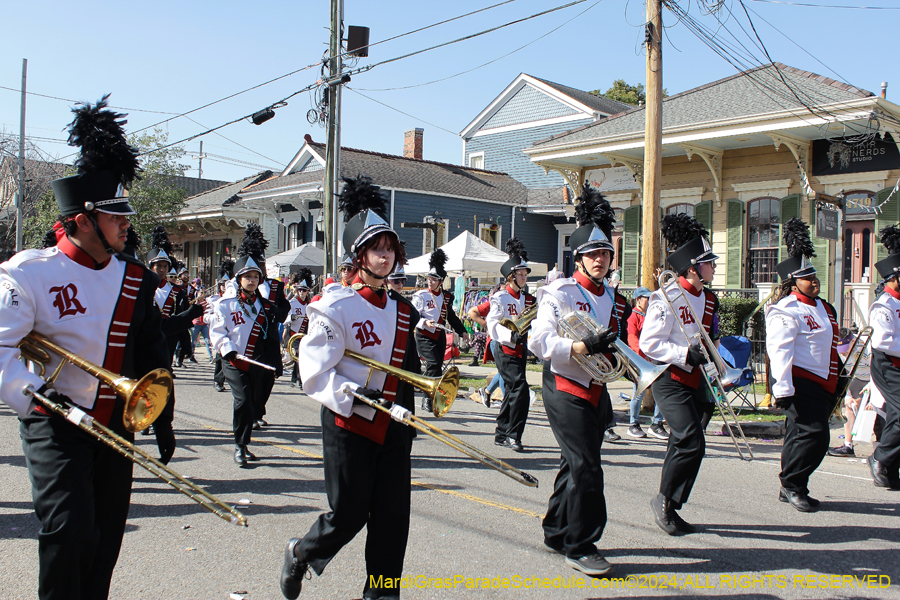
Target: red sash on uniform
x=520 y=348
x=169 y=304
x=830 y=384
x=251 y=341
x=376 y=429
x=443 y=317
x=692 y=377
x=274 y=286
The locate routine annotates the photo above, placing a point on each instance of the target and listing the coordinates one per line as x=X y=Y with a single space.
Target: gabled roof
x=193 y=185
x=746 y=94
x=581 y=104
x=401 y=173
x=220 y=196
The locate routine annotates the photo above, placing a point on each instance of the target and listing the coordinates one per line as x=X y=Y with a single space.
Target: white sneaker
x=485 y=397
x=531 y=398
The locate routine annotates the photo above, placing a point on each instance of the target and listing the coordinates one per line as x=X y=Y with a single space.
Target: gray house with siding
x=491 y=205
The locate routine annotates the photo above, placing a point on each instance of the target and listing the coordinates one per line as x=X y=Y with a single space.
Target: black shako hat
x=799 y=249
x=106 y=167
x=595 y=219
x=226 y=271
x=364 y=211
x=252 y=252
x=436 y=263
x=398 y=274
x=305 y=279
x=160 y=247
x=689 y=239
x=518 y=257
x=890 y=266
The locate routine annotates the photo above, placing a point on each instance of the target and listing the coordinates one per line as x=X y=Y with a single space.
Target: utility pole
x=20 y=196
x=333 y=141
x=200 y=159
x=652 y=145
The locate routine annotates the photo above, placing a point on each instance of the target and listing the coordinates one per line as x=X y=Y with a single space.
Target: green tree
x=156 y=197
x=629 y=94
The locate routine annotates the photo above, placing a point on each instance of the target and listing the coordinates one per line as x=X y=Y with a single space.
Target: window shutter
x=821 y=261
x=790 y=208
x=889 y=215
x=631 y=246
x=734 y=259
x=703 y=214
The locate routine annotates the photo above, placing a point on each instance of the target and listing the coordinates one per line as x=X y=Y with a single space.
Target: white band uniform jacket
x=884 y=317
x=297 y=315
x=557 y=300
x=344 y=320
x=429 y=306
x=504 y=304
x=161 y=296
x=798 y=334
x=661 y=338
x=72 y=305
x=231 y=326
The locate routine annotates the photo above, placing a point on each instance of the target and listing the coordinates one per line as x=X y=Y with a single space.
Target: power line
x=829 y=5
x=237 y=144
x=400 y=111
x=158 y=112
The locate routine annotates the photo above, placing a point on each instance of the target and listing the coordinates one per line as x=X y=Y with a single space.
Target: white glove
x=398 y=413
x=347 y=389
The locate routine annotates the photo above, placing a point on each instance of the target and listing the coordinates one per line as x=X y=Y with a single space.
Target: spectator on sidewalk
x=635 y=325
x=854 y=393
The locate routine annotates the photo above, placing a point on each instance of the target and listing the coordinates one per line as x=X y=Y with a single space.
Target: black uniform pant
x=576 y=514
x=218 y=370
x=806 y=434
x=681 y=406
x=248 y=388
x=183 y=348
x=432 y=352
x=887 y=378
x=367 y=484
x=514 y=409
x=81 y=490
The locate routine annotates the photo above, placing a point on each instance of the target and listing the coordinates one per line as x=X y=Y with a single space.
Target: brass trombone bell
x=523 y=323
x=442 y=390
x=145 y=398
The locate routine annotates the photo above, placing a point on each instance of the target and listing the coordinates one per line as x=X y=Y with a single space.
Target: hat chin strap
x=109 y=249
x=584 y=271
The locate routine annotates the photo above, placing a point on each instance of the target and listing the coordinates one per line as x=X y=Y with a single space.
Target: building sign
x=841 y=155
x=827 y=225
x=611 y=179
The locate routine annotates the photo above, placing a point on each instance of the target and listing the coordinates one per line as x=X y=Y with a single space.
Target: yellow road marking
x=433 y=487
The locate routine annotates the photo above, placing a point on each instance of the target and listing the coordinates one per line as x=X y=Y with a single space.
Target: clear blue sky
x=174 y=56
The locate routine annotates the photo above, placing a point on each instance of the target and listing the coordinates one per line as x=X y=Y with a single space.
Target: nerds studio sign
x=843 y=155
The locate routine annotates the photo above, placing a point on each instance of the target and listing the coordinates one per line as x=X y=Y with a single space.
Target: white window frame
x=483 y=226
x=427 y=232
x=476 y=155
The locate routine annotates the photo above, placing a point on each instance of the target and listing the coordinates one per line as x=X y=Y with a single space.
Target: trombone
x=723 y=376
x=845 y=376
x=442 y=391
x=144 y=401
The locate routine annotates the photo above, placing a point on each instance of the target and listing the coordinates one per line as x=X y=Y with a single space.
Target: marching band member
x=884 y=317
x=577 y=407
x=397 y=279
x=435 y=307
x=680 y=391
x=182 y=348
x=366 y=453
x=510 y=302
x=271 y=289
x=296 y=321
x=801 y=341
x=346 y=274
x=226 y=270
x=98 y=305
x=247 y=325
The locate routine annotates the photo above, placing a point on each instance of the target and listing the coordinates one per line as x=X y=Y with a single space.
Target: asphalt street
x=474 y=533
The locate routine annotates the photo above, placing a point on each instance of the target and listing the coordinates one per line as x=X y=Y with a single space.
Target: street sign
x=827 y=224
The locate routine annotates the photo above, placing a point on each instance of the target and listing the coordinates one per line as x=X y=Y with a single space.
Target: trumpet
x=144 y=401
x=442 y=391
x=577 y=325
x=845 y=376
x=724 y=375
x=523 y=323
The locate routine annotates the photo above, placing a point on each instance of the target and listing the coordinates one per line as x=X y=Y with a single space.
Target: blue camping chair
x=735 y=350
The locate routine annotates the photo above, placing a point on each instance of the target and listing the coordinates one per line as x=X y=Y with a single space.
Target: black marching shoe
x=239 y=457
x=591 y=564
x=292 y=571
x=426 y=405
x=220 y=387
x=879 y=473
x=611 y=436
x=664 y=515
x=249 y=455
x=510 y=443
x=801 y=502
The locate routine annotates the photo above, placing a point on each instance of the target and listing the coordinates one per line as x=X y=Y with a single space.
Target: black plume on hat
x=254 y=243
x=359 y=194
x=796 y=238
x=515 y=247
x=132 y=242
x=226 y=269
x=437 y=261
x=104 y=146
x=160 y=240
x=595 y=208
x=890 y=238
x=681 y=228
x=49 y=239
x=304 y=276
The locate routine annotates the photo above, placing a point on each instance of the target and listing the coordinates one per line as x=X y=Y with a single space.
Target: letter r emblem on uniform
x=365 y=333
x=66 y=301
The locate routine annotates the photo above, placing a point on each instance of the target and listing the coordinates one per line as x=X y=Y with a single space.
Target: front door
x=859 y=255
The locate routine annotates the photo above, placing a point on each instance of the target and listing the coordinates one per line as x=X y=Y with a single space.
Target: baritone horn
x=578 y=324
x=436 y=387
x=144 y=401
x=523 y=323
x=722 y=376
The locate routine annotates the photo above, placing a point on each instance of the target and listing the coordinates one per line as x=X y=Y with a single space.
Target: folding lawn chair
x=735 y=350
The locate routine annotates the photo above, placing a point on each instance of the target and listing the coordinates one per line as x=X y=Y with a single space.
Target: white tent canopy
x=295 y=259
x=472 y=256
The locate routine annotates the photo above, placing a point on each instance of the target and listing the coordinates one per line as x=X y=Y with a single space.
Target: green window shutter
x=889 y=215
x=790 y=208
x=631 y=246
x=703 y=214
x=734 y=259
x=821 y=261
